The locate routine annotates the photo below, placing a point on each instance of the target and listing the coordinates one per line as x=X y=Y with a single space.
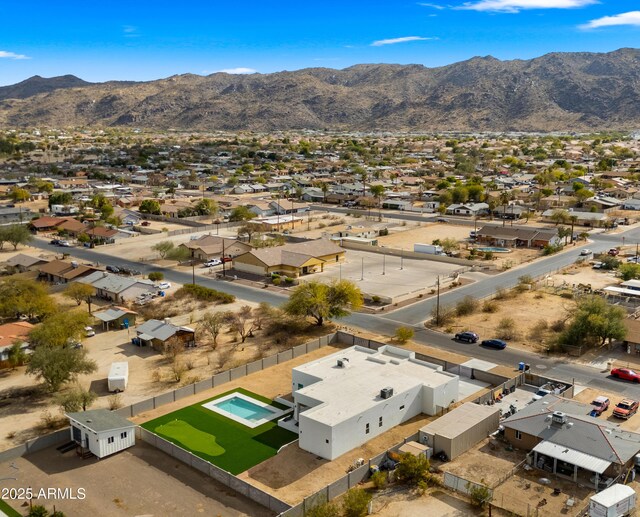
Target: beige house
x=209 y=247
x=292 y=260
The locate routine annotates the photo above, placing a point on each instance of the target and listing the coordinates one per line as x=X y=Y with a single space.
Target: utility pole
x=193 y=271
x=384 y=262
x=401 y=259
x=362 y=270
x=224 y=270
x=340 y=273
x=438 y=302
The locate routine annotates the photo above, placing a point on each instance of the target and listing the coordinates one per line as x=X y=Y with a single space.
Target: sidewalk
x=619 y=355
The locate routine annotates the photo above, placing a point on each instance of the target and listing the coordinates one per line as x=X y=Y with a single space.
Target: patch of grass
x=4 y=506
x=244 y=447
x=190 y=437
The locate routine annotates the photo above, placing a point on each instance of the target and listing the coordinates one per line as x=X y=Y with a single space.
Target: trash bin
x=527 y=367
x=521 y=366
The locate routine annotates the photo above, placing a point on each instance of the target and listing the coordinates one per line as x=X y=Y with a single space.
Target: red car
x=626 y=408
x=626 y=374
x=614 y=252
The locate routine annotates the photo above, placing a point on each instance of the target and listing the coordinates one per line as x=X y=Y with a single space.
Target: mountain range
x=554 y=92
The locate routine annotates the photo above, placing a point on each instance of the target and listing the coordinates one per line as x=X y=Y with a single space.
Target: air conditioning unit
x=343 y=362
x=386 y=393
x=558 y=417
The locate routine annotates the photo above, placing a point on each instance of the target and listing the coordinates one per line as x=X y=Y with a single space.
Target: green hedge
x=199 y=292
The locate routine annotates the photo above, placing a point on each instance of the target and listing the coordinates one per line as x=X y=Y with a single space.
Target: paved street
x=415 y=314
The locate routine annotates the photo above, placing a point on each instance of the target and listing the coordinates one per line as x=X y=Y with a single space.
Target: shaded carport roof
x=581 y=459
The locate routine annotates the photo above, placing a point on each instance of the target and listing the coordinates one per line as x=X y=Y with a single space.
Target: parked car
x=113 y=269
x=226 y=259
x=613 y=252
x=163 y=286
x=468 y=336
x=55 y=242
x=442 y=220
x=145 y=223
x=64 y=244
x=498 y=344
x=600 y=405
x=626 y=408
x=597 y=265
x=635 y=259
x=626 y=374
x=89 y=332
x=212 y=262
x=585 y=252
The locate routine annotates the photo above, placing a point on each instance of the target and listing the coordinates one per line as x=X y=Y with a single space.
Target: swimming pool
x=244 y=409
x=493 y=249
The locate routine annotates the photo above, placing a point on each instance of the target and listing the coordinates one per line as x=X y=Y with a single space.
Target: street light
x=401 y=259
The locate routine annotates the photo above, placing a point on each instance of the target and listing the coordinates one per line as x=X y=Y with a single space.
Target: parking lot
x=387 y=276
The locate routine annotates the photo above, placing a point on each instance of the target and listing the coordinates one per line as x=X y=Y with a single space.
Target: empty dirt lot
x=139 y=481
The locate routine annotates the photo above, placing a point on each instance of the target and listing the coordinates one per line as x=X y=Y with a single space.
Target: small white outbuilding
x=101 y=432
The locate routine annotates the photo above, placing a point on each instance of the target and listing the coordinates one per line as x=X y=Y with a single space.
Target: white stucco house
x=101 y=432
x=347 y=398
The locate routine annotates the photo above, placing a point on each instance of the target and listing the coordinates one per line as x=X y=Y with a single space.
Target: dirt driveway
x=139 y=481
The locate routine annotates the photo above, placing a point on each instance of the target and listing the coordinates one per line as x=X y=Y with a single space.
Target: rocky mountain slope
x=559 y=91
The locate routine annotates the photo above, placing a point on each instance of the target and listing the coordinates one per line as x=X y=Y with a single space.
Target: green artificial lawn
x=190 y=437
x=206 y=433
x=8 y=510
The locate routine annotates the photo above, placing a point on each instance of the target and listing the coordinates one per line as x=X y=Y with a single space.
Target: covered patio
x=569 y=463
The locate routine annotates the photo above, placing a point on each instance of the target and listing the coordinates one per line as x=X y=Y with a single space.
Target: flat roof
x=99 y=420
x=581 y=459
x=459 y=420
x=367 y=372
x=613 y=494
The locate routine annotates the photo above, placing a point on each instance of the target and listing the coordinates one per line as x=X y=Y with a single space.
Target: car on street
x=626 y=408
x=599 y=405
x=64 y=244
x=585 y=252
x=55 y=242
x=113 y=269
x=635 y=259
x=164 y=285
x=442 y=220
x=498 y=344
x=613 y=252
x=625 y=374
x=212 y=263
x=468 y=336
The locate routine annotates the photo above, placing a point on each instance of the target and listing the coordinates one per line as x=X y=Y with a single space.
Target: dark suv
x=468 y=336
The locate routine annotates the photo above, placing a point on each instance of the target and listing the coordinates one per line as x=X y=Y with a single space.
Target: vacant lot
x=408 y=504
x=230 y=445
x=533 y=313
x=139 y=481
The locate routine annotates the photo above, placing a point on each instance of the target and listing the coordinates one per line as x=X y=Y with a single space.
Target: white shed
x=102 y=432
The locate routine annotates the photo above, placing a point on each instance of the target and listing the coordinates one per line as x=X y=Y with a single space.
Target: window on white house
x=380 y=422
x=123 y=435
x=366 y=429
x=110 y=439
x=518 y=435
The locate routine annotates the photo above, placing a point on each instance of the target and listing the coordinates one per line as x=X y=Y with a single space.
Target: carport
x=566 y=461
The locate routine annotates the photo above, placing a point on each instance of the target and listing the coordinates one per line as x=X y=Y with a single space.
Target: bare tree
x=243 y=323
x=213 y=324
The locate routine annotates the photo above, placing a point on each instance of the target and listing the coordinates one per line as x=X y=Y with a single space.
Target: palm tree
x=505 y=197
x=377 y=191
x=325 y=189
x=574 y=220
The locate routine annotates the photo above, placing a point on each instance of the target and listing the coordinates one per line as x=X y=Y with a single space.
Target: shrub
x=507 y=329
x=277 y=280
x=446 y=316
x=501 y=294
x=480 y=495
x=412 y=469
x=539 y=331
x=156 y=276
x=488 y=255
x=379 y=480
x=355 y=503
x=558 y=325
x=288 y=280
x=567 y=294
x=202 y=293
x=404 y=334
x=490 y=306
x=115 y=401
x=327 y=509
x=466 y=306
x=551 y=249
x=375 y=298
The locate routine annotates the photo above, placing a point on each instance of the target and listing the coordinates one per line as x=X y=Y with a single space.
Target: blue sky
x=142 y=40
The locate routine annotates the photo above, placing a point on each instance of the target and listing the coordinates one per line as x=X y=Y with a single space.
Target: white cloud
x=515 y=6
x=630 y=18
x=239 y=70
x=12 y=55
x=394 y=41
x=433 y=6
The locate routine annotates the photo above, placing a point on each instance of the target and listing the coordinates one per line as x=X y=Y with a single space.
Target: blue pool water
x=494 y=249
x=244 y=409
